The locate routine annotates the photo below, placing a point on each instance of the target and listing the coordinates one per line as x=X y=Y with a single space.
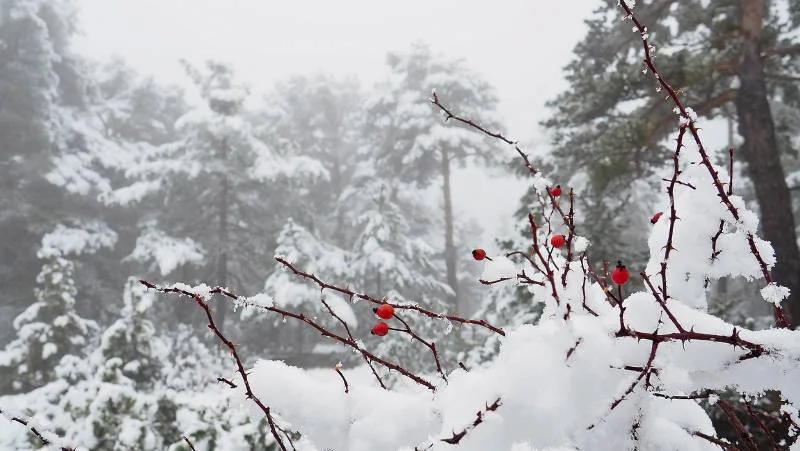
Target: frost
x=166 y=252
x=580 y=244
x=774 y=293
x=84 y=238
x=499 y=268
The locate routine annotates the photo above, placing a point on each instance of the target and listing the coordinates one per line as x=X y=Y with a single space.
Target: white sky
x=520 y=46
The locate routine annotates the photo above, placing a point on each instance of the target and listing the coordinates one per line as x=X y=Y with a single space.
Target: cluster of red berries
x=384 y=311
x=619 y=276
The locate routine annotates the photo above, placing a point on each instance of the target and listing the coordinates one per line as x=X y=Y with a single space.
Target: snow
x=166 y=252
x=49 y=349
x=580 y=244
x=774 y=293
x=557 y=379
x=355 y=421
x=498 y=268
x=87 y=237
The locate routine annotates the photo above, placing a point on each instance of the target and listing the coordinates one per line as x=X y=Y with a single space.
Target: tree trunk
x=450 y=258
x=222 y=259
x=760 y=152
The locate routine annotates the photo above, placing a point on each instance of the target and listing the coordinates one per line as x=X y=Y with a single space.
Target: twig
x=46 y=438
x=449 y=115
x=338 y=369
x=351 y=294
x=457 y=436
x=198 y=299
x=189 y=443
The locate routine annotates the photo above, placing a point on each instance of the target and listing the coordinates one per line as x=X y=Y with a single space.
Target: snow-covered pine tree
x=407 y=142
x=391 y=256
x=293 y=342
x=214 y=185
x=320 y=117
x=611 y=126
x=36 y=72
x=137 y=390
x=126 y=367
x=47 y=330
x=129 y=347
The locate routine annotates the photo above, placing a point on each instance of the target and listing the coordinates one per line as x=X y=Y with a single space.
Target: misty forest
x=212 y=265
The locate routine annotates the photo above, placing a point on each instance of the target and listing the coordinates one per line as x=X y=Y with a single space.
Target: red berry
x=557 y=241
x=385 y=311
x=556 y=191
x=479 y=254
x=620 y=275
x=656 y=217
x=380 y=329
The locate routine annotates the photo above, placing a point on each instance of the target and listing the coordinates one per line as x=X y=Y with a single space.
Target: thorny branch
x=689 y=123
x=189 y=443
x=46 y=438
x=457 y=436
x=351 y=294
x=662 y=295
x=347 y=341
x=203 y=304
x=449 y=115
x=545 y=265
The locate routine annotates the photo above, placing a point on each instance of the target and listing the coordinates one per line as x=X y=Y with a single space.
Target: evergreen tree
x=35 y=72
x=47 y=330
x=391 y=257
x=213 y=188
x=401 y=133
x=610 y=128
x=129 y=347
x=391 y=253
x=319 y=117
x=293 y=340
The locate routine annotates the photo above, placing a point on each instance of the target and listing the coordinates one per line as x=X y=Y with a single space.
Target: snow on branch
x=45 y=437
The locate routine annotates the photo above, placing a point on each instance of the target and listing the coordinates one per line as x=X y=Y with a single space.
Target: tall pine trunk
x=450 y=258
x=760 y=152
x=222 y=258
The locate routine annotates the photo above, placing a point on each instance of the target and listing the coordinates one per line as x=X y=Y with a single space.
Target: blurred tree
x=295 y=342
x=211 y=188
x=47 y=330
x=391 y=257
x=319 y=117
x=407 y=142
x=36 y=71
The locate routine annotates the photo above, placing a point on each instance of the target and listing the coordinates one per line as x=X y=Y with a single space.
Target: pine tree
x=35 y=73
x=213 y=184
x=406 y=141
x=319 y=117
x=129 y=347
x=47 y=330
x=308 y=253
x=610 y=128
x=391 y=257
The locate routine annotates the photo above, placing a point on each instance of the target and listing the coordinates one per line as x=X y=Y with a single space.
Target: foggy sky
x=520 y=46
